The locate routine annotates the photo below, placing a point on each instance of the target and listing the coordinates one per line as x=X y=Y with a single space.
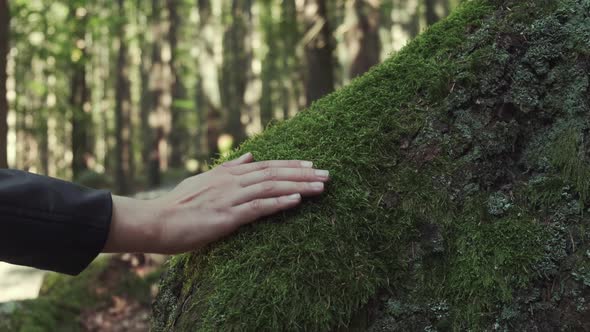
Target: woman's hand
x=206 y=207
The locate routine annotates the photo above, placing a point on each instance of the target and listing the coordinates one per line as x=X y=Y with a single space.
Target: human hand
x=206 y=207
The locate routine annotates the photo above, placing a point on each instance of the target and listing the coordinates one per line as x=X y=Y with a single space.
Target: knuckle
x=270 y=173
x=268 y=187
x=256 y=204
x=265 y=164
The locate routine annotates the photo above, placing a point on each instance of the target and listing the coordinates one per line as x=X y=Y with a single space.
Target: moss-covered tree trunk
x=459 y=193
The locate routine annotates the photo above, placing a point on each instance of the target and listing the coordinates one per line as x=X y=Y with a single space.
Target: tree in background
x=63 y=75
x=124 y=150
x=237 y=57
x=178 y=134
x=79 y=92
x=319 y=46
x=4 y=46
x=270 y=68
x=290 y=66
x=363 y=37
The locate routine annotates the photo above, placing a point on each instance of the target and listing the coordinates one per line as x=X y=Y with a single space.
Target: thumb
x=246 y=158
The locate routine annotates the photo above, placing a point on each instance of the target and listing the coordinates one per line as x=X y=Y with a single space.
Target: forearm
x=133 y=226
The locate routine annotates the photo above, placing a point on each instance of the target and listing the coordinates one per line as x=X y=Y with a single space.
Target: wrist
x=134 y=226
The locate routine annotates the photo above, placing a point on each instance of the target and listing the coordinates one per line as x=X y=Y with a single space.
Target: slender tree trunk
x=124 y=174
x=79 y=99
x=364 y=37
x=4 y=45
x=269 y=64
x=156 y=90
x=178 y=134
x=237 y=57
x=145 y=102
x=318 y=51
x=201 y=111
x=430 y=9
x=289 y=33
x=208 y=91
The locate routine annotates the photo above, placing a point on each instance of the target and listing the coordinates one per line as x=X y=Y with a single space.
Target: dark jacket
x=51 y=224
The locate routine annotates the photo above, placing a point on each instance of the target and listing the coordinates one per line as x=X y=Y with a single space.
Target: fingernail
x=246 y=155
x=294 y=197
x=322 y=173
x=306 y=164
x=317 y=185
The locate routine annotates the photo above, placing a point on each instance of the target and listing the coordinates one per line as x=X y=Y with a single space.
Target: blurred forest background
x=134 y=94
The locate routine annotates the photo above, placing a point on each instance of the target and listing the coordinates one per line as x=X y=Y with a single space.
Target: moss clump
x=451 y=205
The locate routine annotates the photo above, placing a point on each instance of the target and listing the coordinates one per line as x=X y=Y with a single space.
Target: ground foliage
x=113 y=294
x=458 y=200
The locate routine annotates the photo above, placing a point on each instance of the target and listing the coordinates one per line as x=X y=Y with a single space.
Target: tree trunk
x=124 y=173
x=431 y=13
x=290 y=68
x=4 y=46
x=237 y=57
x=179 y=133
x=80 y=98
x=157 y=86
x=363 y=37
x=318 y=51
x=145 y=102
x=268 y=76
x=458 y=199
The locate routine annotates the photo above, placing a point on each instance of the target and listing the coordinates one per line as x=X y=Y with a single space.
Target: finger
x=245 y=158
x=253 y=210
x=269 y=189
x=260 y=165
x=284 y=174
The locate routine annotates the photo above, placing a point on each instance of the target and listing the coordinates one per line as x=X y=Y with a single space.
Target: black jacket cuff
x=51 y=224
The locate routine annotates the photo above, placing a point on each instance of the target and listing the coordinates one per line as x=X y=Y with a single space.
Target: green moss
x=567 y=156
x=446 y=208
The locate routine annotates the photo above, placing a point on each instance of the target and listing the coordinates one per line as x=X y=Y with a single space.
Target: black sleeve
x=51 y=224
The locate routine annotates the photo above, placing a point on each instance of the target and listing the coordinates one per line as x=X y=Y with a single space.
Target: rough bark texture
x=458 y=200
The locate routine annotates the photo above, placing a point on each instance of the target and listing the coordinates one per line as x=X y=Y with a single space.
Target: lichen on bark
x=458 y=200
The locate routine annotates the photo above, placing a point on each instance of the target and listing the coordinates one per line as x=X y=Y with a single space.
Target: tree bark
x=124 y=149
x=318 y=51
x=4 y=46
x=459 y=197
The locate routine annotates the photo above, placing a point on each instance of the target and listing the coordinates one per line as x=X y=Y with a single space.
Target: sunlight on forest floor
x=19 y=282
